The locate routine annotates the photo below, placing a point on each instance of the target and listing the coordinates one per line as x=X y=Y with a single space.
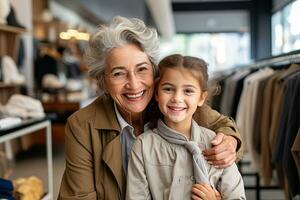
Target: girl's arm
x=230 y=184
x=137 y=184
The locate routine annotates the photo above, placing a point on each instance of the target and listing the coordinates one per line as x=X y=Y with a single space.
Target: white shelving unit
x=24 y=129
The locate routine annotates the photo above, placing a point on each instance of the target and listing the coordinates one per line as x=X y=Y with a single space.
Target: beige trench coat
x=93 y=150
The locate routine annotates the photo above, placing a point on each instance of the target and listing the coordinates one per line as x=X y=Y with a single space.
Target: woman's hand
x=223 y=152
x=204 y=192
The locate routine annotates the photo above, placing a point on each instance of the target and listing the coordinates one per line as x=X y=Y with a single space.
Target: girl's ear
x=156 y=95
x=202 y=99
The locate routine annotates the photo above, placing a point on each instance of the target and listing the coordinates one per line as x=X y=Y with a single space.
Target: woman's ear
x=202 y=99
x=101 y=83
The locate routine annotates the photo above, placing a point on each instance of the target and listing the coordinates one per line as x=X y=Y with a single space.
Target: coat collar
x=105 y=117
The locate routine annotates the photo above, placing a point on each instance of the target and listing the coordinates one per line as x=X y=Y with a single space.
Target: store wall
x=212 y=21
x=108 y=9
x=69 y=16
x=23 y=11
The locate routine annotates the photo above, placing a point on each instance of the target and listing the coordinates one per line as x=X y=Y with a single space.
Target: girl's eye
x=167 y=89
x=188 y=91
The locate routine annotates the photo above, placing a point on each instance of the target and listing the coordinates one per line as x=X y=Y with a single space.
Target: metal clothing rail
x=283 y=59
x=280 y=60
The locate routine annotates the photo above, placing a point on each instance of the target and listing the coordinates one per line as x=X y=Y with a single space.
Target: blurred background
x=43 y=78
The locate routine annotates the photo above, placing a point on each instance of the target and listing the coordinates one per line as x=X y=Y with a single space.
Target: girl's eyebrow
x=185 y=86
x=193 y=86
x=166 y=83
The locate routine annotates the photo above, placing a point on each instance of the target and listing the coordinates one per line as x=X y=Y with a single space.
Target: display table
x=27 y=127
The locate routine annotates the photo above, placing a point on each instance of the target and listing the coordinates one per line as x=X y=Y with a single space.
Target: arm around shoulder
x=207 y=117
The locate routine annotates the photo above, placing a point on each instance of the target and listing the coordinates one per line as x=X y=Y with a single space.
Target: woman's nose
x=133 y=81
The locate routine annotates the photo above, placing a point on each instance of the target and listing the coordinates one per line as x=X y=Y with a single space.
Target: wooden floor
x=34 y=163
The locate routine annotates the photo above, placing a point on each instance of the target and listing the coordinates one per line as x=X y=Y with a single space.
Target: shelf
x=25 y=128
x=12 y=29
x=4 y=85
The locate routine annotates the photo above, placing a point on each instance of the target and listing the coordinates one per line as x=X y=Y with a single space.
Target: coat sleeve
x=78 y=179
x=213 y=120
x=231 y=185
x=137 y=184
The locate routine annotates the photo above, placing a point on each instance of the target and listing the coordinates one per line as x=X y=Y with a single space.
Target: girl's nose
x=178 y=98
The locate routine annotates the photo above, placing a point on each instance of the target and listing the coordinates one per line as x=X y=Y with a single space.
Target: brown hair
x=197 y=66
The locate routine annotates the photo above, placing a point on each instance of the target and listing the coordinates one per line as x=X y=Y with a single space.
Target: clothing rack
x=293 y=57
x=257 y=186
x=283 y=59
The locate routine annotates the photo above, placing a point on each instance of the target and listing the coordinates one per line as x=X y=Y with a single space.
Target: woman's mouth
x=134 y=96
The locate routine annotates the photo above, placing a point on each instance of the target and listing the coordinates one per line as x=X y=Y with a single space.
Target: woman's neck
x=136 y=120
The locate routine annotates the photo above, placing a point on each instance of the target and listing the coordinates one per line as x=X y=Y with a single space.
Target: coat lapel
x=112 y=156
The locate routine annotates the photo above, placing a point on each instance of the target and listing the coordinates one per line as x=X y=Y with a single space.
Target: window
x=220 y=50
x=285 y=29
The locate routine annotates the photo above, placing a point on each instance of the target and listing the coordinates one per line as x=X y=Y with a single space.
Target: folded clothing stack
x=6 y=189
x=30 y=188
x=9 y=122
x=22 y=106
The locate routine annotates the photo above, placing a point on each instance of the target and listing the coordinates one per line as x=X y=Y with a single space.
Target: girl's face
x=129 y=79
x=178 y=95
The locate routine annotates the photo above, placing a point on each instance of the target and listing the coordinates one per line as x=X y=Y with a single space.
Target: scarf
x=173 y=137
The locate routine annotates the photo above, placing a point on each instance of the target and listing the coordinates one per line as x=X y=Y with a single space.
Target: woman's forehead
x=126 y=55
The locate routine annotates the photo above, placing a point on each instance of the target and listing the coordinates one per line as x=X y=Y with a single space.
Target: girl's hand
x=204 y=192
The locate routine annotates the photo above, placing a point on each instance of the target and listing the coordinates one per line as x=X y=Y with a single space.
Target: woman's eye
x=118 y=74
x=142 y=69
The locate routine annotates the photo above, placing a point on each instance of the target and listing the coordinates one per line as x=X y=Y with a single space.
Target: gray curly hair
x=118 y=32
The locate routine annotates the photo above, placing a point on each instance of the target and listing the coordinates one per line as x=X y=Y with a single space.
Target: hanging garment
x=230 y=86
x=266 y=167
x=256 y=137
x=296 y=152
x=288 y=162
x=246 y=112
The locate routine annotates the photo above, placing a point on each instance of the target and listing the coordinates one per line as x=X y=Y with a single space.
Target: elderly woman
x=123 y=57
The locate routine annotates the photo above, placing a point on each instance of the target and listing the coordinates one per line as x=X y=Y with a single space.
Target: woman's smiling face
x=129 y=79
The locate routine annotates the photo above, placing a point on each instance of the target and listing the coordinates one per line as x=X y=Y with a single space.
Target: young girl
x=166 y=162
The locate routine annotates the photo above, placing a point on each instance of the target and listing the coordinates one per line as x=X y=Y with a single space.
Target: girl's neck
x=182 y=128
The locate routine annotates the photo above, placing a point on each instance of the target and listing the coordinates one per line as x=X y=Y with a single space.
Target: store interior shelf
x=12 y=29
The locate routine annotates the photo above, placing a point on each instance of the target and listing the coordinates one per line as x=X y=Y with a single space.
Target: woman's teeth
x=133 y=96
